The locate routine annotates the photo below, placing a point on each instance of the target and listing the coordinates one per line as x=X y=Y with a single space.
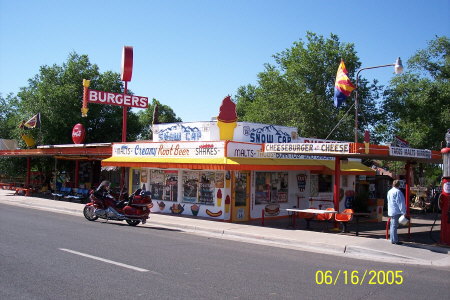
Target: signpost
x=123 y=100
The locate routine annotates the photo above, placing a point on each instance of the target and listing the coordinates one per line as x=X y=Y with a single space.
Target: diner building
x=190 y=169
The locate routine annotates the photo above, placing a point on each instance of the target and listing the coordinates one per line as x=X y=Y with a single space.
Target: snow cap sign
x=78 y=134
x=127 y=63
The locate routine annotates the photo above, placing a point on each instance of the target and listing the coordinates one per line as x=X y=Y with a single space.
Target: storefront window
x=199 y=186
x=156 y=187
x=271 y=187
x=206 y=191
x=171 y=186
x=135 y=179
x=325 y=183
x=240 y=189
x=190 y=186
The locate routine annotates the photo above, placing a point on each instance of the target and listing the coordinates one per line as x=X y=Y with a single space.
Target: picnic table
x=313 y=211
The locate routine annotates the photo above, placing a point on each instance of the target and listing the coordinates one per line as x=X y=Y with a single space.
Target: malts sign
x=100 y=97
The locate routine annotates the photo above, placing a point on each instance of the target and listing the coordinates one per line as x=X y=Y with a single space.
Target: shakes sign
x=100 y=97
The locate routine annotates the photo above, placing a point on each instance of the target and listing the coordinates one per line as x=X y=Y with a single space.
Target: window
x=206 y=191
x=156 y=187
x=135 y=179
x=190 y=186
x=325 y=183
x=171 y=186
x=271 y=187
x=314 y=185
x=199 y=186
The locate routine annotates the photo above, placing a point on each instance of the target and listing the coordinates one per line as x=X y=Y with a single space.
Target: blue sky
x=191 y=54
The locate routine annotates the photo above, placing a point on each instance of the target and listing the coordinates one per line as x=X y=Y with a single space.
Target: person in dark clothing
x=103 y=190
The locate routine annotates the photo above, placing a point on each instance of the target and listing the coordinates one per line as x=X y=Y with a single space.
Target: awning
x=261 y=164
x=349 y=168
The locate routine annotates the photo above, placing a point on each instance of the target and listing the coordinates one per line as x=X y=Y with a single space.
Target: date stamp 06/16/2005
x=371 y=277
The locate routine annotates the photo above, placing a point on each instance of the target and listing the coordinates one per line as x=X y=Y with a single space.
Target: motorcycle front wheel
x=89 y=213
x=133 y=222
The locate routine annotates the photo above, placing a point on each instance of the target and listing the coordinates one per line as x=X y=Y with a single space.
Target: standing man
x=396 y=208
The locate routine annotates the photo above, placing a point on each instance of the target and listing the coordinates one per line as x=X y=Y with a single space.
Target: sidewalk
x=275 y=233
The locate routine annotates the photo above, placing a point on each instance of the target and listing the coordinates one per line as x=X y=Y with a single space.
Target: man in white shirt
x=396 y=208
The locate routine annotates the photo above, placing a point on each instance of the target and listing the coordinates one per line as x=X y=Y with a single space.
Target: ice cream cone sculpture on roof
x=227 y=119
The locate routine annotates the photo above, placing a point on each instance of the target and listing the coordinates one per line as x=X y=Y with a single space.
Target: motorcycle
x=134 y=210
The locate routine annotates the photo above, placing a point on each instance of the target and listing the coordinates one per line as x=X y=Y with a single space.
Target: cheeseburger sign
x=116 y=99
x=308 y=148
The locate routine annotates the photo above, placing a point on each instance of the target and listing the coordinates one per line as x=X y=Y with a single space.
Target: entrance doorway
x=241 y=197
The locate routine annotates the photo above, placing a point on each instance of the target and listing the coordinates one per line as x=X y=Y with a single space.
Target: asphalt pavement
x=346 y=245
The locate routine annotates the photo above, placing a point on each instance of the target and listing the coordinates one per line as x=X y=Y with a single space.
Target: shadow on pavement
x=425 y=228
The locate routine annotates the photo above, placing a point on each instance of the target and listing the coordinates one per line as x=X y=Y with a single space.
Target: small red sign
x=78 y=134
x=127 y=63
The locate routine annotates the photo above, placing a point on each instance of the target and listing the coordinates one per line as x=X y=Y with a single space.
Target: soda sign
x=100 y=97
x=78 y=134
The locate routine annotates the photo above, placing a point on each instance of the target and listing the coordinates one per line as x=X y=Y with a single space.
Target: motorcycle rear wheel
x=89 y=213
x=133 y=222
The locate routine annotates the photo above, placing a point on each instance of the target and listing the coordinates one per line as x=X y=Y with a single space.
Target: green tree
x=298 y=90
x=416 y=104
x=56 y=92
x=8 y=107
x=165 y=115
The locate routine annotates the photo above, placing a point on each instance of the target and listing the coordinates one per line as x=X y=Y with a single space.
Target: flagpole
x=398 y=69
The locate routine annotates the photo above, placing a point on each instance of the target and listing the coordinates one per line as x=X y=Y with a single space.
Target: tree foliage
x=416 y=104
x=57 y=93
x=298 y=90
x=8 y=106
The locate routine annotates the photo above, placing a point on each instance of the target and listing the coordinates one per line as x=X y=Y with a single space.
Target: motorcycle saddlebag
x=134 y=211
x=141 y=200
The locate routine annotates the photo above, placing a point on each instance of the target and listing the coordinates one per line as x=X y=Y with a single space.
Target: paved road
x=46 y=255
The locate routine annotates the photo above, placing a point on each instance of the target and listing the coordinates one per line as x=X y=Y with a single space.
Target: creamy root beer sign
x=170 y=150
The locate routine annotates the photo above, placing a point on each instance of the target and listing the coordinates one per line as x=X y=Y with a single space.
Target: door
x=240 y=190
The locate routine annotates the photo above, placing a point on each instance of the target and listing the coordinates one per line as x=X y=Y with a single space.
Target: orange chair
x=325 y=217
x=344 y=217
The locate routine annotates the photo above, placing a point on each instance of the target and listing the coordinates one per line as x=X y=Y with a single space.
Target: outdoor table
x=308 y=210
x=357 y=216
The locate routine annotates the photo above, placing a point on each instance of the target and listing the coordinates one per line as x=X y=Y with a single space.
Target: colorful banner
x=343 y=87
